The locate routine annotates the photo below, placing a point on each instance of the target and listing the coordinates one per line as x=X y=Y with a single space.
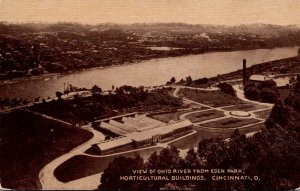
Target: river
x=147 y=73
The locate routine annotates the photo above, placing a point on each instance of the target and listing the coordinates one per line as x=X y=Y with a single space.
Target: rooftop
x=259 y=78
x=105 y=145
x=130 y=132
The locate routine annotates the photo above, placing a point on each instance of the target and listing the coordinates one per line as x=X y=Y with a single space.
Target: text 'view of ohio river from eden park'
x=147 y=73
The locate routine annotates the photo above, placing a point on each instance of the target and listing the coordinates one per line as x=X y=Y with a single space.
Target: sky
x=221 y=12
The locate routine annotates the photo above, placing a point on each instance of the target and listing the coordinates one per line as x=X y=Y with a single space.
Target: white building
x=139 y=131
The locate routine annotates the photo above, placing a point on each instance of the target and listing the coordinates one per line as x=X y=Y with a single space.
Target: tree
x=121 y=166
x=201 y=81
x=173 y=80
x=96 y=90
x=252 y=93
x=169 y=158
x=189 y=80
x=191 y=160
x=58 y=94
x=278 y=116
x=269 y=95
x=227 y=89
x=153 y=161
x=37 y=99
x=267 y=84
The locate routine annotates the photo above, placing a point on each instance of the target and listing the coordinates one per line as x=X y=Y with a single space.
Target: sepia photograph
x=150 y=95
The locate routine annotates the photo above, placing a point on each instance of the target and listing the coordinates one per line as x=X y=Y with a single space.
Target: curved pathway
x=46 y=175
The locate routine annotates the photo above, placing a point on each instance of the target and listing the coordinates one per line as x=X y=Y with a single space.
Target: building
x=138 y=131
x=258 y=79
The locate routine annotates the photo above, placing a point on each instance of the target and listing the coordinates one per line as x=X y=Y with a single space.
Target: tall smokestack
x=244 y=72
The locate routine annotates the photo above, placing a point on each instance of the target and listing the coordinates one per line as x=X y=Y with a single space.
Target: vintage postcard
x=149 y=95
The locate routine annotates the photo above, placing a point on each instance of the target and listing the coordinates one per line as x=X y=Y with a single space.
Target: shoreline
x=50 y=75
x=22 y=79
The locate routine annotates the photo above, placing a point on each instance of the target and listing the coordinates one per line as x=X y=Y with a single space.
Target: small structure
x=114 y=144
x=245 y=77
x=258 y=79
x=240 y=114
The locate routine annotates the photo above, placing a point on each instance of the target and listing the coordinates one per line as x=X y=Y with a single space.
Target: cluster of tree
x=6 y=102
x=227 y=89
x=294 y=97
x=188 y=80
x=201 y=81
x=272 y=155
x=167 y=158
x=82 y=109
x=96 y=90
x=266 y=91
x=172 y=81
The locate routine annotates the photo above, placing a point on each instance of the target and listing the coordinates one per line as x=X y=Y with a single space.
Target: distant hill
x=258 y=29
x=28 y=49
x=279 y=35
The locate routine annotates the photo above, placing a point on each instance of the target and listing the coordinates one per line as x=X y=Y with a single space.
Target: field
x=80 y=166
x=166 y=117
x=193 y=140
x=230 y=123
x=205 y=115
x=87 y=109
x=263 y=114
x=245 y=107
x=29 y=143
x=211 y=98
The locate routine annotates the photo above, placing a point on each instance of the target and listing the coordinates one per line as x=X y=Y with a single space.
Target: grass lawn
x=81 y=166
x=211 y=98
x=253 y=128
x=28 y=143
x=263 y=114
x=166 y=117
x=283 y=94
x=205 y=115
x=230 y=122
x=193 y=140
x=245 y=107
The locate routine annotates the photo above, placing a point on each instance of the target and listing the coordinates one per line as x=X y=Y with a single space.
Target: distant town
x=37 y=49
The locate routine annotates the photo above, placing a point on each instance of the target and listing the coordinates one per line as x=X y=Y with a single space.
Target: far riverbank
x=166 y=54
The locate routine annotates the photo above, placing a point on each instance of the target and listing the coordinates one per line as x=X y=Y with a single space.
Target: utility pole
x=245 y=79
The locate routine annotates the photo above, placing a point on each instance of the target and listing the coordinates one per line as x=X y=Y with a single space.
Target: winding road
x=46 y=175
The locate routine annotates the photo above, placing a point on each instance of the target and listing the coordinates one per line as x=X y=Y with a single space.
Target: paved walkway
x=46 y=175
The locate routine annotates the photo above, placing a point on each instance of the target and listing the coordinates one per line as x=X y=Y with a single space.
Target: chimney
x=244 y=72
